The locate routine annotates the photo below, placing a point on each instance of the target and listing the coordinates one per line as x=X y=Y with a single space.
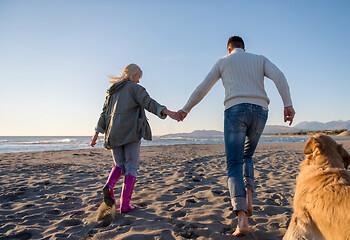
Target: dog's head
x=325 y=145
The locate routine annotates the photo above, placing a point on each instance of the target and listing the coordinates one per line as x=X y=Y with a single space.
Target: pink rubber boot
x=113 y=178
x=125 y=198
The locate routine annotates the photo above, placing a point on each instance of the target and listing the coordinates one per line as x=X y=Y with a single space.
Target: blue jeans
x=127 y=157
x=244 y=124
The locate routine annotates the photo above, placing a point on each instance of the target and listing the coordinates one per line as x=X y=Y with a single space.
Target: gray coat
x=123 y=119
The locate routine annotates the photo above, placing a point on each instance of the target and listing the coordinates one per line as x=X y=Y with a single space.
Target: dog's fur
x=322 y=196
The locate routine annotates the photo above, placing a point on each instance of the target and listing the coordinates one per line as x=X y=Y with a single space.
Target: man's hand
x=174 y=115
x=289 y=114
x=182 y=114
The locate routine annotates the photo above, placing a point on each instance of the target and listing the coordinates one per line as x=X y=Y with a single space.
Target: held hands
x=173 y=115
x=178 y=116
x=289 y=114
x=182 y=114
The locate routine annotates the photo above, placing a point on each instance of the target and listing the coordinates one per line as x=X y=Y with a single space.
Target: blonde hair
x=127 y=73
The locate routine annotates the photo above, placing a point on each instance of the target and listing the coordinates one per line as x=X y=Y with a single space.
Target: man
x=246 y=113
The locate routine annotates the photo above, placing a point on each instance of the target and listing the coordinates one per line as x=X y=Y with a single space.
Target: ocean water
x=51 y=143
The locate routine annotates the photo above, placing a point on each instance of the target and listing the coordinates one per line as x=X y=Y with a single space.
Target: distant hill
x=270 y=129
x=197 y=133
x=315 y=126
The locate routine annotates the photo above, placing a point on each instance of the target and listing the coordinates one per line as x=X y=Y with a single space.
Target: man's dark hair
x=235 y=42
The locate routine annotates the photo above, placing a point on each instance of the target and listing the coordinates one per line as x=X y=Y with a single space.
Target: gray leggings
x=127 y=157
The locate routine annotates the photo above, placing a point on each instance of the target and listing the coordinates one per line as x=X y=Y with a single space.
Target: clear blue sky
x=55 y=57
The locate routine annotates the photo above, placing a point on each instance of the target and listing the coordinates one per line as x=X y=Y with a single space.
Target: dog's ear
x=345 y=155
x=311 y=145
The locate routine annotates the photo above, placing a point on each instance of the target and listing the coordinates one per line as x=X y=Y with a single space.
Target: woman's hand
x=174 y=115
x=182 y=114
x=94 y=139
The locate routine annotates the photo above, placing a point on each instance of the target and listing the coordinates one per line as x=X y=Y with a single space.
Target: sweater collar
x=237 y=50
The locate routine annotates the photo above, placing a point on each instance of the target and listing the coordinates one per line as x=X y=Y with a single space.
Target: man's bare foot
x=242 y=227
x=249 y=202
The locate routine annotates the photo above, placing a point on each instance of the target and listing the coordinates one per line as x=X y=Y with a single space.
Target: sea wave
x=175 y=139
x=50 y=141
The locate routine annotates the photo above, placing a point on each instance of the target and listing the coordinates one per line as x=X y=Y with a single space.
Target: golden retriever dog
x=322 y=195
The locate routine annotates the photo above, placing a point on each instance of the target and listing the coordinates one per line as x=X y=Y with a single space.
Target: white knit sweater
x=242 y=75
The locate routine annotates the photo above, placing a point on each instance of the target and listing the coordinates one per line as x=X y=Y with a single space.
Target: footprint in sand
x=21 y=235
x=166 y=198
x=61 y=235
x=53 y=212
x=178 y=214
x=144 y=193
x=78 y=214
x=69 y=199
x=272 y=211
x=66 y=206
x=142 y=204
x=217 y=192
x=172 y=207
x=200 y=189
x=226 y=230
x=191 y=200
x=261 y=220
x=13 y=196
x=126 y=222
x=280 y=200
x=187 y=231
x=29 y=205
x=177 y=190
x=70 y=222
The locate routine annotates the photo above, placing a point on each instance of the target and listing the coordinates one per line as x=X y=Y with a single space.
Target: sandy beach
x=181 y=193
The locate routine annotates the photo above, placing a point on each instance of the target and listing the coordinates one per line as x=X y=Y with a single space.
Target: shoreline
x=39 y=144
x=181 y=192
x=306 y=135
x=98 y=148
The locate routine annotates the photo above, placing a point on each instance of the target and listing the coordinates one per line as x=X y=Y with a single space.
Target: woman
x=124 y=123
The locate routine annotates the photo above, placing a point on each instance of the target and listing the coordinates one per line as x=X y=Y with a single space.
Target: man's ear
x=344 y=155
x=311 y=145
